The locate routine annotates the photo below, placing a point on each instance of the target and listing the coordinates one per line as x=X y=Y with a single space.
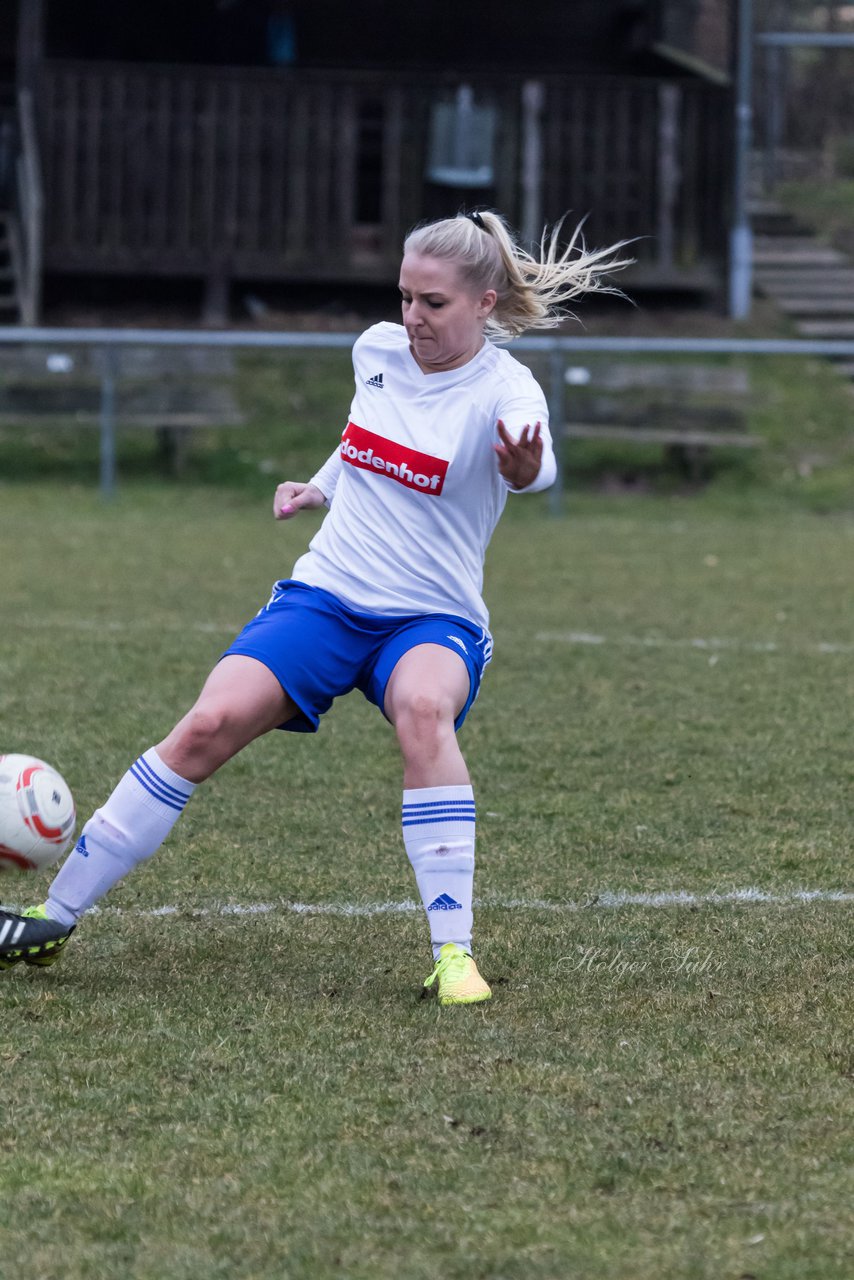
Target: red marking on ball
x=17 y=859
x=33 y=819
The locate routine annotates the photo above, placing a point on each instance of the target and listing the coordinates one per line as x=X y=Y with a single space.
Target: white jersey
x=414 y=490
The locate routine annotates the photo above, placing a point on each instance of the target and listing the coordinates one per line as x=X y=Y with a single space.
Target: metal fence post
x=109 y=367
x=741 y=235
x=556 y=423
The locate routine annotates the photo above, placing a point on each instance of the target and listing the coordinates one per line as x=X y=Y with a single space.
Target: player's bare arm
x=293 y=497
x=519 y=460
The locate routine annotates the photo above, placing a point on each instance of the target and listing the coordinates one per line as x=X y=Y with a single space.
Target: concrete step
x=829 y=329
x=815 y=256
x=788 y=242
x=768 y=218
x=817 y=306
x=820 y=271
x=790 y=298
x=790 y=285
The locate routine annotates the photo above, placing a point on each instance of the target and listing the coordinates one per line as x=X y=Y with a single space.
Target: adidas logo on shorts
x=375 y=381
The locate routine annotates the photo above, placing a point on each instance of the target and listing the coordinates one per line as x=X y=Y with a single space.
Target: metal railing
x=554 y=349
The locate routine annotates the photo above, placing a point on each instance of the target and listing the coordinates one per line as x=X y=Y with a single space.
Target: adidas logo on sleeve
x=375 y=381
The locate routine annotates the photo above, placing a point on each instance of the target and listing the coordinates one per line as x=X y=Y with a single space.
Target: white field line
x=96 y=627
x=607 y=899
x=712 y=644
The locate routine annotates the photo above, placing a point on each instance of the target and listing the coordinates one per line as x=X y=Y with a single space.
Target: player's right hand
x=293 y=497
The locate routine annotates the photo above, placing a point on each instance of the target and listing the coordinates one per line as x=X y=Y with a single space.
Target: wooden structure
x=302 y=173
x=170 y=392
x=689 y=408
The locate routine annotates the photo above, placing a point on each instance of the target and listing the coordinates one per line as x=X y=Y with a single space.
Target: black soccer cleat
x=31 y=937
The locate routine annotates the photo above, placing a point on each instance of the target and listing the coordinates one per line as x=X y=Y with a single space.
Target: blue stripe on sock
x=422 y=813
x=140 y=778
x=422 y=822
x=427 y=811
x=415 y=821
x=424 y=810
x=436 y=805
x=155 y=778
x=152 y=791
x=155 y=787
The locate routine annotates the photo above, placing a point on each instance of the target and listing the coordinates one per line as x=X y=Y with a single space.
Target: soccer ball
x=37 y=816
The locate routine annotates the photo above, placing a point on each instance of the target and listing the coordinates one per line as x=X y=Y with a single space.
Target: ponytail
x=532 y=291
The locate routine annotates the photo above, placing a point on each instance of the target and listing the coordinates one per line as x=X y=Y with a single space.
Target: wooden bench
x=688 y=408
x=171 y=391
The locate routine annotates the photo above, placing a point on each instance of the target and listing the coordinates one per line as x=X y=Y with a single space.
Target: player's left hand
x=519 y=460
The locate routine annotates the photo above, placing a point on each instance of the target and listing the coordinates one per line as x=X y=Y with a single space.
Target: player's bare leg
x=426 y=692
x=241 y=700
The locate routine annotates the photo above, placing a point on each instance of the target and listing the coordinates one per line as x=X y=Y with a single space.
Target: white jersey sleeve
x=515 y=413
x=326 y=479
x=546 y=475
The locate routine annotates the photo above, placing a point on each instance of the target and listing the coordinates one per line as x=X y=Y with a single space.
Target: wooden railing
x=317 y=175
x=647 y=158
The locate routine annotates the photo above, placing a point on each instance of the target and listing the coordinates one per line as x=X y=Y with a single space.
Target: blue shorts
x=318 y=649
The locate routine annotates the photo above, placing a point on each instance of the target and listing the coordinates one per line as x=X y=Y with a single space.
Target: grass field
x=232 y=1073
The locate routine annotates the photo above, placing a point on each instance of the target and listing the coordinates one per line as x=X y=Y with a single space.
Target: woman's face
x=443 y=318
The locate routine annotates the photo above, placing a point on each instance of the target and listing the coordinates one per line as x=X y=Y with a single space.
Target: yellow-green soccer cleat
x=32 y=937
x=459 y=980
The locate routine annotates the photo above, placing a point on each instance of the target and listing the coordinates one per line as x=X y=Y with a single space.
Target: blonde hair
x=532 y=291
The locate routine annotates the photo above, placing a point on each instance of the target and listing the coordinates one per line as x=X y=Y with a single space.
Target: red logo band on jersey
x=408 y=467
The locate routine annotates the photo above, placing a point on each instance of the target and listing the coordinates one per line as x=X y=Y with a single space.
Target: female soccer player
x=387 y=599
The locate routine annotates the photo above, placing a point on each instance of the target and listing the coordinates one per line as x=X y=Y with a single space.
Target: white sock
x=130 y=827
x=438 y=832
